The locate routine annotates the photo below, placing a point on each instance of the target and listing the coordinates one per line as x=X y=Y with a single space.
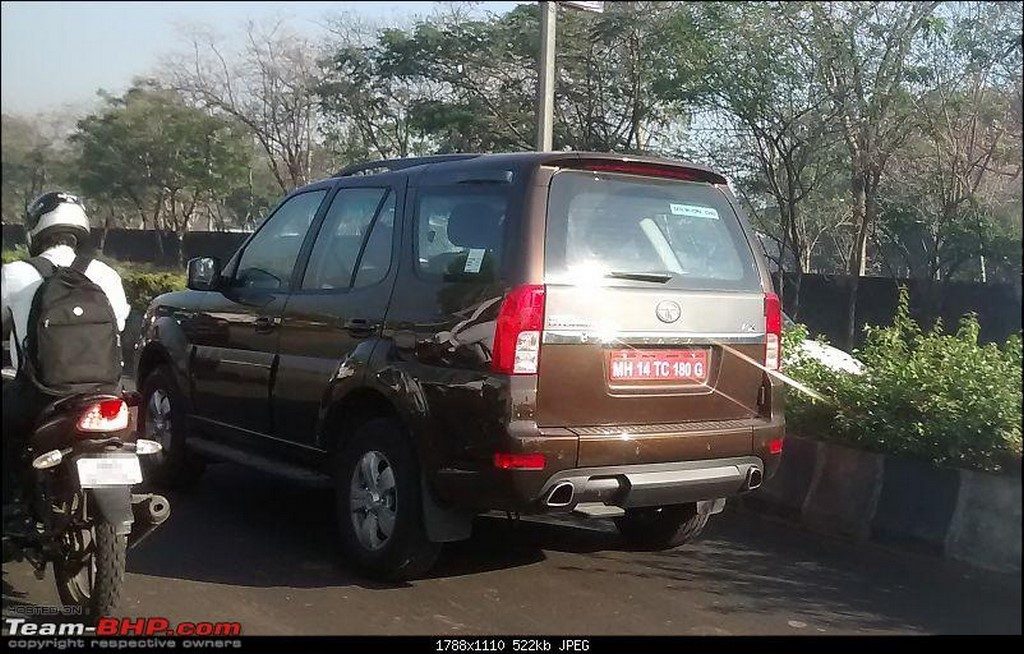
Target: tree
x=269 y=86
x=456 y=84
x=365 y=98
x=773 y=122
x=165 y=159
x=956 y=174
x=627 y=75
x=32 y=164
x=864 y=51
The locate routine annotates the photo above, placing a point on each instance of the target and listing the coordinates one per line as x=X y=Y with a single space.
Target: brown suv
x=448 y=335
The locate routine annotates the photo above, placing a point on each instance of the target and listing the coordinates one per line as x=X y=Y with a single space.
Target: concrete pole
x=546 y=76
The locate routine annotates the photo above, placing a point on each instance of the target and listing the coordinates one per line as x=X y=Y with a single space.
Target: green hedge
x=142 y=283
x=141 y=287
x=16 y=254
x=929 y=394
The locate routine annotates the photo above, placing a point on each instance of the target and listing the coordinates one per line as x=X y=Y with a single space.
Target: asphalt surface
x=246 y=547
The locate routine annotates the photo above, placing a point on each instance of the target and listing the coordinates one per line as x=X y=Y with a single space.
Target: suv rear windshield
x=680 y=234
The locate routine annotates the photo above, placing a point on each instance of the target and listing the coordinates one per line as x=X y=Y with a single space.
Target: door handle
x=359 y=327
x=265 y=324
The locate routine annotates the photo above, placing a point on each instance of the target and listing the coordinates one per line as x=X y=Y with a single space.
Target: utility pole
x=546 y=75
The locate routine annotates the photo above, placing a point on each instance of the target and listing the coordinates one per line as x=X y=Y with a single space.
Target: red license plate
x=688 y=366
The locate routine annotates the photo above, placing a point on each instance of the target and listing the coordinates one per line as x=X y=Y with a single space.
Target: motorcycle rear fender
x=113 y=505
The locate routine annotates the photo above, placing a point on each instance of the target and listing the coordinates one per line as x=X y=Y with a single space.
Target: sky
x=56 y=55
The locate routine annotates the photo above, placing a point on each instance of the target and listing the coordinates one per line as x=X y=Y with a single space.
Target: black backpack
x=73 y=344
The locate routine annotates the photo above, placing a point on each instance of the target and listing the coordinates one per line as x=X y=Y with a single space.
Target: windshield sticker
x=474 y=260
x=693 y=211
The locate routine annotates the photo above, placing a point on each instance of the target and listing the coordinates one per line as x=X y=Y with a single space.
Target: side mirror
x=203 y=273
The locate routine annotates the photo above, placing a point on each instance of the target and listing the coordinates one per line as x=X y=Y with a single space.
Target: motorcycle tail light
x=106 y=416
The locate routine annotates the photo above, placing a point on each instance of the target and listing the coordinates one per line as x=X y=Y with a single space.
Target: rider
x=57 y=229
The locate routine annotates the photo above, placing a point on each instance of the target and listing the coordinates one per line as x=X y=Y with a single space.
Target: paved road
x=242 y=546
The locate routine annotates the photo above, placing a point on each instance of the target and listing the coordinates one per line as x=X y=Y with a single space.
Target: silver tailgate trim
x=563 y=336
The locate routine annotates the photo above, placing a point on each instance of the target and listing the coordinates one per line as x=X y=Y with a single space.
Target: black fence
x=822 y=305
x=149 y=246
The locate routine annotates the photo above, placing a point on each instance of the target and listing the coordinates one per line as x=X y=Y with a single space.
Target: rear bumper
x=655 y=484
x=652 y=467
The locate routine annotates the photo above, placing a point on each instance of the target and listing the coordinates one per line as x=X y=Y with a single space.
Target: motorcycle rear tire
x=108 y=565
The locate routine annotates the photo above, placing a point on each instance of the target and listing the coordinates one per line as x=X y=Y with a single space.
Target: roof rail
x=388 y=165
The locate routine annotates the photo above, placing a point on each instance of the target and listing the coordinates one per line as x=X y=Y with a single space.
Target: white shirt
x=20 y=282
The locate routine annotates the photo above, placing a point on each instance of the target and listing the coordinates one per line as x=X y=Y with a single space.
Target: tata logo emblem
x=668 y=311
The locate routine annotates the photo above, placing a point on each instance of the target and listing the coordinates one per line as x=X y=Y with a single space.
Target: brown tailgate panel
x=572 y=391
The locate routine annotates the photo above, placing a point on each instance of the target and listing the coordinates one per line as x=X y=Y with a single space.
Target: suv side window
x=459 y=232
x=345 y=235
x=269 y=258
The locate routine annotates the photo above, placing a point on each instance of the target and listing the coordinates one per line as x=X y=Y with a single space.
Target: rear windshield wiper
x=656 y=277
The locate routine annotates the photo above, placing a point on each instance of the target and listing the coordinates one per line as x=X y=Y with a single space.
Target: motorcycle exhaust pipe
x=150 y=511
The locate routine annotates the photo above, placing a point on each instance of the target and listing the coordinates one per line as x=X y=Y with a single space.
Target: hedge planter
x=916 y=504
x=784 y=494
x=844 y=491
x=960 y=514
x=986 y=525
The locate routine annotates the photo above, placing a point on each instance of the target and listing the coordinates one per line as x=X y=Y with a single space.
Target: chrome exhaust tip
x=561 y=495
x=754 y=478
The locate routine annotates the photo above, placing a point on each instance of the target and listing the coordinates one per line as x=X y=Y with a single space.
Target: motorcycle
x=80 y=513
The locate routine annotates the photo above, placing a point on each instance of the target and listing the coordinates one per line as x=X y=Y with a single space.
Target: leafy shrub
x=15 y=254
x=142 y=287
x=929 y=394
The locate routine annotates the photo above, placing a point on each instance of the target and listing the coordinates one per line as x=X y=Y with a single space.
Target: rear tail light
x=105 y=416
x=517 y=331
x=772 y=332
x=775 y=446
x=531 y=461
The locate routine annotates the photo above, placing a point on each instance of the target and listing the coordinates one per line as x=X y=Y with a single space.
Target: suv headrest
x=475 y=225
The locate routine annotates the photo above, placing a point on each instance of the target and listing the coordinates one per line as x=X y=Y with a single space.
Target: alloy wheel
x=373 y=500
x=158 y=419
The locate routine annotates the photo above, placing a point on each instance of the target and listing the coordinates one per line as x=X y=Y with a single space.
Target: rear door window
x=375 y=259
x=624 y=228
x=342 y=236
x=460 y=232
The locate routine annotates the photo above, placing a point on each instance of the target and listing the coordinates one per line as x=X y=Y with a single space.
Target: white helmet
x=52 y=213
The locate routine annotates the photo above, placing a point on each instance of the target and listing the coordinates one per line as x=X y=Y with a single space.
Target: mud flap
x=114 y=506
x=443 y=525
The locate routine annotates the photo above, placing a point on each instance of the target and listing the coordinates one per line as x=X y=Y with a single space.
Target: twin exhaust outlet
x=563 y=493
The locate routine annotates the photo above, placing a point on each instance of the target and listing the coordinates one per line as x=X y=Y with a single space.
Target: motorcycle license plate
x=109 y=471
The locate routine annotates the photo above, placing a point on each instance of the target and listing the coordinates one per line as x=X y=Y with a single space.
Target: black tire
x=661 y=527
x=174 y=466
x=107 y=561
x=406 y=553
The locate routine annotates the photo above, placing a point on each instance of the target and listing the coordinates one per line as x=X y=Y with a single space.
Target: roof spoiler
x=646 y=168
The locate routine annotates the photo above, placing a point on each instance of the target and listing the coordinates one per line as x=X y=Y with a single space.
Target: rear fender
x=403 y=393
x=112 y=505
